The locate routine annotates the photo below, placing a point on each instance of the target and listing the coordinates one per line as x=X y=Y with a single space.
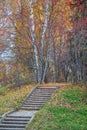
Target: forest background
x=43 y=41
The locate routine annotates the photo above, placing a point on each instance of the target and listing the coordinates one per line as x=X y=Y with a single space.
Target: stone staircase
x=37 y=98
x=17 y=120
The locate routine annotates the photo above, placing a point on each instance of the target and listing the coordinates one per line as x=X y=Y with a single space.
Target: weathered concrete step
x=22 y=114
x=34 y=103
x=11 y=116
x=38 y=105
x=16 y=119
x=46 y=88
x=14 y=122
x=1 y=128
x=31 y=108
x=40 y=95
x=43 y=91
x=12 y=126
x=37 y=98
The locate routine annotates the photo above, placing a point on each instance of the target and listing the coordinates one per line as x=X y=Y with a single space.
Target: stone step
x=38 y=105
x=37 y=98
x=34 y=103
x=40 y=95
x=45 y=88
x=12 y=126
x=3 y=128
x=14 y=122
x=16 y=119
x=32 y=100
x=30 y=108
x=16 y=116
x=43 y=92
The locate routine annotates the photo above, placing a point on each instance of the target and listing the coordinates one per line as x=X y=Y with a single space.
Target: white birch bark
x=46 y=66
x=32 y=31
x=39 y=71
x=45 y=25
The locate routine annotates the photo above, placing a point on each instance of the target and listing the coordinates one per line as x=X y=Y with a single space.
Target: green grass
x=3 y=90
x=10 y=99
x=73 y=97
x=66 y=111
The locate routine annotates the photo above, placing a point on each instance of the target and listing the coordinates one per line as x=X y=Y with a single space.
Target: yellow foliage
x=19 y=24
x=13 y=98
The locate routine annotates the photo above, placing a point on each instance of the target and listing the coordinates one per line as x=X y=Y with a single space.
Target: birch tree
x=33 y=41
x=39 y=56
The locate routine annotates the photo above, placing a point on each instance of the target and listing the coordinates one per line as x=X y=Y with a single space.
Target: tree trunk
x=44 y=29
x=33 y=39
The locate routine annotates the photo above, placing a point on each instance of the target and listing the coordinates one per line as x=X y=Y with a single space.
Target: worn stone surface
x=22 y=113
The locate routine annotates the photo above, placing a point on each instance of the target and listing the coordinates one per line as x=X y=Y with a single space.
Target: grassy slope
x=67 y=110
x=11 y=98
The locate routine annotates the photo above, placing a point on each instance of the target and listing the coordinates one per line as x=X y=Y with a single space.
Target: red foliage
x=78 y=4
x=54 y=1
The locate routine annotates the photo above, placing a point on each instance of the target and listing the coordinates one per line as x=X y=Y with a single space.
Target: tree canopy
x=46 y=41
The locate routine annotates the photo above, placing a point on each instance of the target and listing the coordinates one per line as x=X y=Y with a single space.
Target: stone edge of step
x=28 y=96
x=5 y=114
x=29 y=121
